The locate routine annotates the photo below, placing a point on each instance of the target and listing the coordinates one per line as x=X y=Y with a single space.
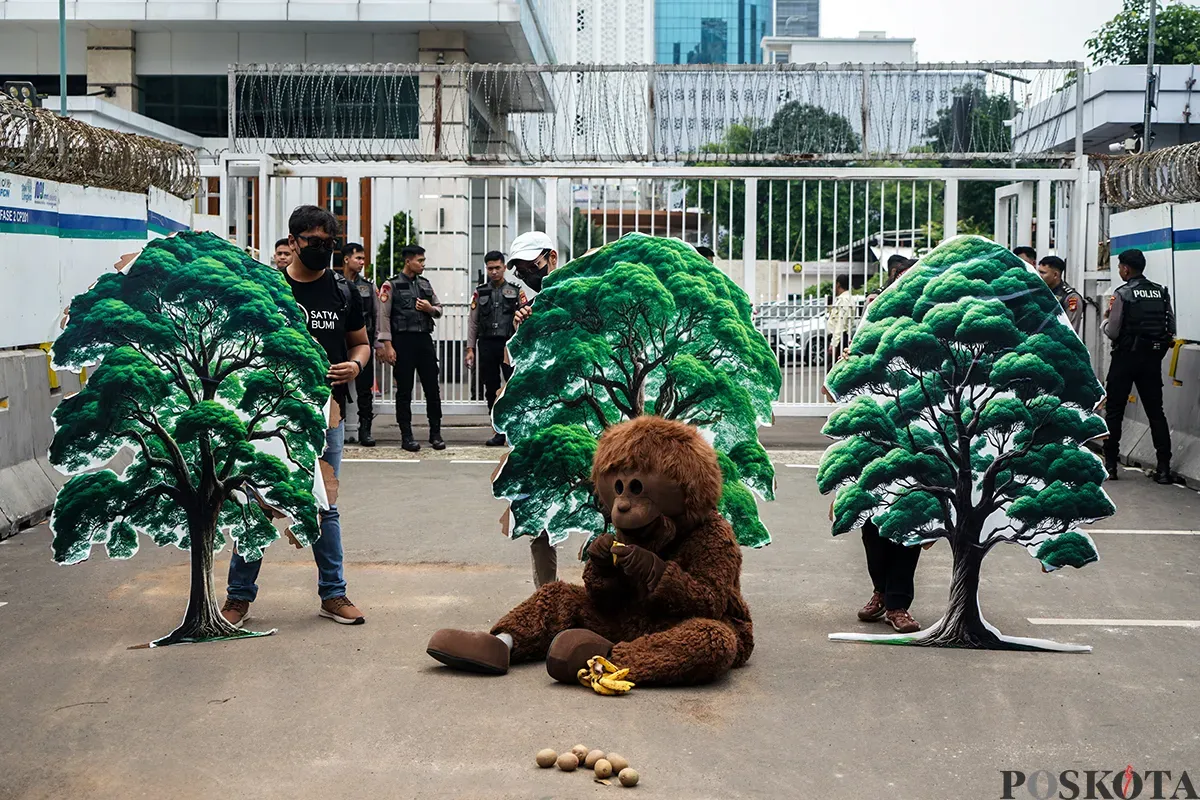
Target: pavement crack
x=85 y=703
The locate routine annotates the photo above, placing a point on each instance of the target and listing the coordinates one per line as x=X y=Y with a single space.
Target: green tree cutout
x=642 y=326
x=206 y=370
x=970 y=399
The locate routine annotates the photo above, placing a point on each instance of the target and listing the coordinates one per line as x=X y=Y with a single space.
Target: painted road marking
x=3 y=604
x=1118 y=623
x=385 y=460
x=1143 y=532
x=473 y=461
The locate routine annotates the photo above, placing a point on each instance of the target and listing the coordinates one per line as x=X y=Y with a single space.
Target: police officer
x=489 y=326
x=354 y=260
x=1141 y=324
x=407 y=308
x=1051 y=268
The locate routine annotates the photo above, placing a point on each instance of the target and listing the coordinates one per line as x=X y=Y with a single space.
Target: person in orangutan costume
x=661 y=602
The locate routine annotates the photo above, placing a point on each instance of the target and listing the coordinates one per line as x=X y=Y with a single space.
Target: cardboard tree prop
x=208 y=374
x=970 y=400
x=643 y=325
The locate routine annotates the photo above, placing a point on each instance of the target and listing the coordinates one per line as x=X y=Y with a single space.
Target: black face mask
x=317 y=259
x=531 y=276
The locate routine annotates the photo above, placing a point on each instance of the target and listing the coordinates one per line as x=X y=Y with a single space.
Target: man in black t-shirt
x=335 y=319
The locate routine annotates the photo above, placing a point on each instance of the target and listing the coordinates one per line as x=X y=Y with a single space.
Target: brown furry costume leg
x=693 y=652
x=552 y=609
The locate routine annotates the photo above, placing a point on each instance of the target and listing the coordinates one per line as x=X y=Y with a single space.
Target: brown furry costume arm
x=702 y=576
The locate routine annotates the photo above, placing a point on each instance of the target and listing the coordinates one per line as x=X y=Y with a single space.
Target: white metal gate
x=785 y=235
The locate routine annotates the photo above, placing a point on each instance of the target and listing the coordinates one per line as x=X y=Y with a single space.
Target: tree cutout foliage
x=644 y=325
x=970 y=400
x=208 y=374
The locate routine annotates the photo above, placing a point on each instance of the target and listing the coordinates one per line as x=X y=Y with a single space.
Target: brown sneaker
x=235 y=612
x=341 y=610
x=902 y=621
x=873 y=610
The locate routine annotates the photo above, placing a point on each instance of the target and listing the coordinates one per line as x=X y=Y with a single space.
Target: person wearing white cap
x=532 y=256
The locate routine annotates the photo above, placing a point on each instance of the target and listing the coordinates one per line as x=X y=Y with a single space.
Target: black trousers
x=364 y=384
x=492 y=368
x=892 y=567
x=416 y=352
x=1143 y=370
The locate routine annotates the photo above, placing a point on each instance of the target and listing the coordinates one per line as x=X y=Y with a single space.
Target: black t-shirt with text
x=329 y=317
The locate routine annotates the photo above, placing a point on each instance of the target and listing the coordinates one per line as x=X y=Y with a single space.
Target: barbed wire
x=1170 y=175
x=638 y=112
x=40 y=144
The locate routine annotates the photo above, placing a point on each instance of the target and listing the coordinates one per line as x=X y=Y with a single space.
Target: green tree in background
x=974 y=122
x=642 y=326
x=1125 y=38
x=208 y=374
x=970 y=400
x=805 y=220
x=399 y=234
x=580 y=243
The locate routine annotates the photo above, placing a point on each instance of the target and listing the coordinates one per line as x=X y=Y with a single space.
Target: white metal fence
x=785 y=234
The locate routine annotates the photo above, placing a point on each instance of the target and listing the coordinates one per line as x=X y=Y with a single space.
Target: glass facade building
x=797 y=17
x=711 y=31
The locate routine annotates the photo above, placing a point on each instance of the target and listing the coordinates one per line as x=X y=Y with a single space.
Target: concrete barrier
x=27 y=481
x=1182 y=406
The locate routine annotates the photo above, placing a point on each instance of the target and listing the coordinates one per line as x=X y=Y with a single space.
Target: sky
x=976 y=30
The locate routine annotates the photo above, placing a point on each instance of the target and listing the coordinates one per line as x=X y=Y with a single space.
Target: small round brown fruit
x=580 y=752
x=603 y=769
x=628 y=777
x=546 y=758
x=567 y=762
x=592 y=757
x=618 y=761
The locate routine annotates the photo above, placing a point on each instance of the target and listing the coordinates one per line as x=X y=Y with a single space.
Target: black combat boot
x=1163 y=473
x=435 y=436
x=406 y=439
x=1110 y=466
x=498 y=440
x=364 y=433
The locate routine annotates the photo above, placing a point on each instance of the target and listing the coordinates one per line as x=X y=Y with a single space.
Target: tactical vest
x=366 y=291
x=1143 y=317
x=496 y=308
x=405 y=294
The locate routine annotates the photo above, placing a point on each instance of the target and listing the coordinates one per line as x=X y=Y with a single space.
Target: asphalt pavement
x=320 y=710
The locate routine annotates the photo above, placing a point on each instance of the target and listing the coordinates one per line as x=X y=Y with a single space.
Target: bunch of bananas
x=604 y=677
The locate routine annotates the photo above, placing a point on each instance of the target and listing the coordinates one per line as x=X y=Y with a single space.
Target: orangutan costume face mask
x=641 y=504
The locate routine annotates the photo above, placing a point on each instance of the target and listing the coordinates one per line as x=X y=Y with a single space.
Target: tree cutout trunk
x=963 y=625
x=203 y=621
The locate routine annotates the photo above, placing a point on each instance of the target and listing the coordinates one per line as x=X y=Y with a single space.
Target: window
x=345 y=107
x=198 y=104
x=331 y=196
x=779 y=56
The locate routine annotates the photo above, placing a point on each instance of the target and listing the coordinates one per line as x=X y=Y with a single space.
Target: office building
x=711 y=31
x=797 y=17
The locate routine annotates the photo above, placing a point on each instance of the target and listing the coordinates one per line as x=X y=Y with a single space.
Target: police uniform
x=489 y=327
x=365 y=383
x=1071 y=302
x=1141 y=324
x=411 y=333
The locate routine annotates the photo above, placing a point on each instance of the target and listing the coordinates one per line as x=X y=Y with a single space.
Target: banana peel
x=604 y=677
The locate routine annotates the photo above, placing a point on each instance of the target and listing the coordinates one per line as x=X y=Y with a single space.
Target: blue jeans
x=326 y=550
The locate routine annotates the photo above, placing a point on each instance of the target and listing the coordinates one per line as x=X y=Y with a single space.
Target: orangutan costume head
x=654 y=476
